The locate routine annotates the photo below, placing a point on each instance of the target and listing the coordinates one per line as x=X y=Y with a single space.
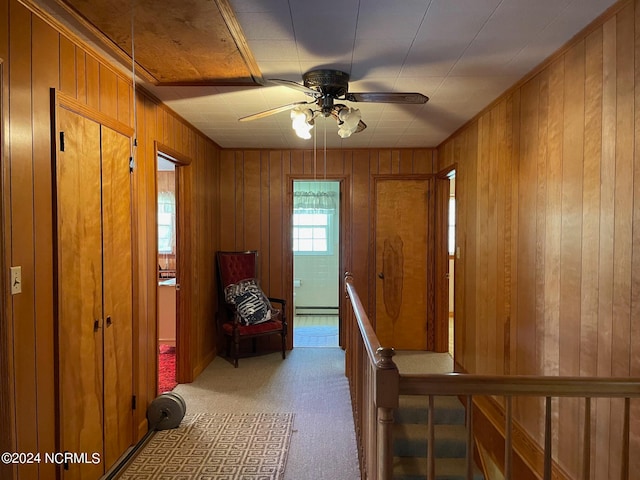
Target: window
x=166 y=222
x=311 y=233
x=452 y=225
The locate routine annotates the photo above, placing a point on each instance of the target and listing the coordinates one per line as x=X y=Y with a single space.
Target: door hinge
x=62 y=141
x=132 y=164
x=133 y=402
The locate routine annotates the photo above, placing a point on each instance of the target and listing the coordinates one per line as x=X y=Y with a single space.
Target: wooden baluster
x=547 y=439
x=586 y=447
x=625 y=440
x=469 y=437
x=508 y=438
x=431 y=467
x=385 y=443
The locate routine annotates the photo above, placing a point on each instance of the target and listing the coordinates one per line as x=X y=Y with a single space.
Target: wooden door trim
x=344 y=260
x=184 y=361
x=66 y=101
x=168 y=153
x=441 y=261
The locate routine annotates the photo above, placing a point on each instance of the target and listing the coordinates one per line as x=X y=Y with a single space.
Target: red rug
x=166 y=369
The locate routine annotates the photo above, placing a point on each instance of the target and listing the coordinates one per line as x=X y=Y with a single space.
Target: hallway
x=311 y=384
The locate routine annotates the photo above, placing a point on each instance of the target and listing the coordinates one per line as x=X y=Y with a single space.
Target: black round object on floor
x=166 y=411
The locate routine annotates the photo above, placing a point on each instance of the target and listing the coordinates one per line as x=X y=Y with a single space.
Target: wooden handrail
x=376 y=384
x=369 y=337
x=520 y=385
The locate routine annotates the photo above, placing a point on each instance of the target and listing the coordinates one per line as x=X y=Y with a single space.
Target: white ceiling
x=462 y=54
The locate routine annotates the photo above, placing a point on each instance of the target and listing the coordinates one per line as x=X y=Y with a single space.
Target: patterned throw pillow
x=250 y=301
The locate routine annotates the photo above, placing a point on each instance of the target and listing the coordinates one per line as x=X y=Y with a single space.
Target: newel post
x=387 y=391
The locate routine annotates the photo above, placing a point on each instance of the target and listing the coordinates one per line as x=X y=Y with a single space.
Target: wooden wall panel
x=43 y=57
x=635 y=266
x=45 y=61
x=7 y=423
x=567 y=231
x=22 y=232
x=254 y=189
x=67 y=72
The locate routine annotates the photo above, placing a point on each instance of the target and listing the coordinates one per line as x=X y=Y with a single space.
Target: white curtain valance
x=314 y=202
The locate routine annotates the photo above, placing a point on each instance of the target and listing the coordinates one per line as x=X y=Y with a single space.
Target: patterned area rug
x=217 y=446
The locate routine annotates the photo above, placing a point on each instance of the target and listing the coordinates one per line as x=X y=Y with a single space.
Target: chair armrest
x=281 y=301
x=283 y=310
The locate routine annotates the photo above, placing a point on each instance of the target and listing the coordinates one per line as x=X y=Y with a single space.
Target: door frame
x=442 y=192
x=184 y=370
x=344 y=246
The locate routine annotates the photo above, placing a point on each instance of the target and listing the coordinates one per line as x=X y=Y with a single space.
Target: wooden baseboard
x=203 y=364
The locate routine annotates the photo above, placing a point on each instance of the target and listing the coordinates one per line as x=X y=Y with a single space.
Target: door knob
x=381 y=275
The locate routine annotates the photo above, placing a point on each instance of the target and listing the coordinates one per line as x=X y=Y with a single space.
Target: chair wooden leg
x=236 y=350
x=284 y=345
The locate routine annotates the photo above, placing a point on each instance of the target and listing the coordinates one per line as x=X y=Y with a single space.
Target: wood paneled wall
x=36 y=57
x=548 y=186
x=256 y=189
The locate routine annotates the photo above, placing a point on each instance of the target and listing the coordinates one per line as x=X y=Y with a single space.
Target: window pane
x=310 y=232
x=452 y=211
x=319 y=245
x=319 y=233
x=306 y=245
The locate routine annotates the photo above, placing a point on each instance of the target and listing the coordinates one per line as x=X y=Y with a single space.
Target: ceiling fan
x=327 y=86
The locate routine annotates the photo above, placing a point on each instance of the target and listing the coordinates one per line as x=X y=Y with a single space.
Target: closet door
x=79 y=284
x=94 y=287
x=118 y=312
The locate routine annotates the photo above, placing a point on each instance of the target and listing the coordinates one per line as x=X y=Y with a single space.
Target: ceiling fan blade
x=272 y=111
x=294 y=85
x=387 y=97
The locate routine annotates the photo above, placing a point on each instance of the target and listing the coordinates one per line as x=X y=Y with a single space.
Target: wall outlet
x=16 y=280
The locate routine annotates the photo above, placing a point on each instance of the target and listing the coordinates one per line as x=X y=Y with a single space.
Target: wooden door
x=79 y=283
x=93 y=198
x=117 y=284
x=402 y=260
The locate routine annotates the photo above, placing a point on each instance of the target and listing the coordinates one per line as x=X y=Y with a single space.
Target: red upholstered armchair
x=245 y=312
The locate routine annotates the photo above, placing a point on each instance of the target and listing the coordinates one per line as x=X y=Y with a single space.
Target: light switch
x=16 y=280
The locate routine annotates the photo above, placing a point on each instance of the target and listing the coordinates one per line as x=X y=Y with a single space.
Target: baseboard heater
x=316 y=311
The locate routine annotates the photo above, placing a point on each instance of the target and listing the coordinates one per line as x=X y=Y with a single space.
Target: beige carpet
x=310 y=383
x=217 y=446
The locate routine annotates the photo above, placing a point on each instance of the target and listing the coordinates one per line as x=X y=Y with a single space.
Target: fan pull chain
x=315 y=149
x=134 y=140
x=325 y=149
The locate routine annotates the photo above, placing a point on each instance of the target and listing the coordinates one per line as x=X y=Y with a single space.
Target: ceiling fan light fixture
x=348 y=120
x=302 y=121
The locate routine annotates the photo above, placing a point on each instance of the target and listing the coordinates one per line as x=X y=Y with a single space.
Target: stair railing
x=376 y=384
x=373 y=381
